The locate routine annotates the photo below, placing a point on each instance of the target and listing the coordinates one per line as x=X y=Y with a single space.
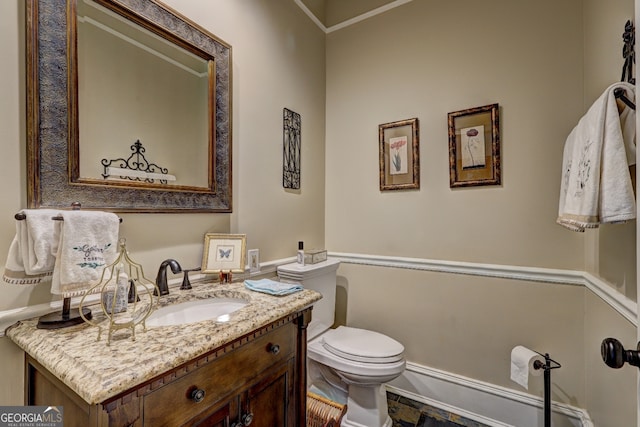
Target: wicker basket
x=322 y=412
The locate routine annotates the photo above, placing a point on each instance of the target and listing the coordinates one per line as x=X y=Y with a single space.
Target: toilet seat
x=318 y=351
x=361 y=345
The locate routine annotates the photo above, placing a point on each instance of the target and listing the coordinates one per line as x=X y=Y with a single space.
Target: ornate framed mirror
x=128 y=108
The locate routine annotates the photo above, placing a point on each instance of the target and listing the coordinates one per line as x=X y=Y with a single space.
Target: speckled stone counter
x=97 y=372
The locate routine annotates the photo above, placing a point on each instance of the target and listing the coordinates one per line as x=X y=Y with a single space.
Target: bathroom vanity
x=248 y=370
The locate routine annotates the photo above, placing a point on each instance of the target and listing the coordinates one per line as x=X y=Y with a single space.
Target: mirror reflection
x=131 y=85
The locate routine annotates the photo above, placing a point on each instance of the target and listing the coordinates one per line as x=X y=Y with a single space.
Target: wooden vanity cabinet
x=257 y=380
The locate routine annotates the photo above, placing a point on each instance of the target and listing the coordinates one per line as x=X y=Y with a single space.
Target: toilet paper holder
x=548 y=365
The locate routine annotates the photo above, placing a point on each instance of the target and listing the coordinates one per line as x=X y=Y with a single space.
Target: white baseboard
x=483 y=402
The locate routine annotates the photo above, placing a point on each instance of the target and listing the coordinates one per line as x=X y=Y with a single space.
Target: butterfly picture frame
x=224 y=253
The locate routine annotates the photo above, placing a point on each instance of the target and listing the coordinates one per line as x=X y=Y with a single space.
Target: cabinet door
x=43 y=389
x=269 y=401
x=219 y=418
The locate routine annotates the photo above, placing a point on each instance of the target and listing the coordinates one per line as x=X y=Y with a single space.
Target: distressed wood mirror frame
x=52 y=113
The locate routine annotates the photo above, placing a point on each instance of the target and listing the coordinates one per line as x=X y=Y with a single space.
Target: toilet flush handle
x=614 y=354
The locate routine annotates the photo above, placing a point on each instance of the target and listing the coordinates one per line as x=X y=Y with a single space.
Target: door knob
x=614 y=355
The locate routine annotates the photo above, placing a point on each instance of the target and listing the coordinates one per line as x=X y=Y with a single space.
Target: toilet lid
x=362 y=345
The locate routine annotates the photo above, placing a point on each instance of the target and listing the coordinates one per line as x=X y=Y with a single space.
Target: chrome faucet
x=161 y=278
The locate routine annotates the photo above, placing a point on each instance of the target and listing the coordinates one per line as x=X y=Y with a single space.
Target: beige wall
x=428 y=58
x=613 y=246
x=278 y=61
x=610 y=393
x=423 y=60
x=468 y=325
x=611 y=250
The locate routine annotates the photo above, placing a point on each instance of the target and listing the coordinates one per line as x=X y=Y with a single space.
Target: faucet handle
x=186 y=284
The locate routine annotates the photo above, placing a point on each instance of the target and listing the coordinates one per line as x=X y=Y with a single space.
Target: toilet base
x=366 y=407
x=347 y=423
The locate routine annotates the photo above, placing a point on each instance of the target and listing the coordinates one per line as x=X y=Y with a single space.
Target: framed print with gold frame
x=224 y=253
x=399 y=155
x=474 y=147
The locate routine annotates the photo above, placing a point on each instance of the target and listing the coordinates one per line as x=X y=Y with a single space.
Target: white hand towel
x=30 y=259
x=87 y=243
x=596 y=185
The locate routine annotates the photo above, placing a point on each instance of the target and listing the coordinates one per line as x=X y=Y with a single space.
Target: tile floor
x=408 y=413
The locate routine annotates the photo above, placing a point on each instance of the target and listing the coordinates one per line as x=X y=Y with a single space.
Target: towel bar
x=619 y=94
x=21 y=217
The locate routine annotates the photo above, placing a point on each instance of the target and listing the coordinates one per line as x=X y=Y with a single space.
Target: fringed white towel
x=87 y=243
x=596 y=185
x=30 y=259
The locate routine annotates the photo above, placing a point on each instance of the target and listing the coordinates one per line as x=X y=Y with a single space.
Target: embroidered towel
x=272 y=287
x=87 y=242
x=30 y=259
x=596 y=184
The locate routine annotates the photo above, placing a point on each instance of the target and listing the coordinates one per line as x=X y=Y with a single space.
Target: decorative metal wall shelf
x=628 y=52
x=136 y=162
x=291 y=149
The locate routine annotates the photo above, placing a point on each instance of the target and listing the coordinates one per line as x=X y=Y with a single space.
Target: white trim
x=619 y=302
x=350 y=21
x=311 y=15
x=622 y=304
x=489 y=404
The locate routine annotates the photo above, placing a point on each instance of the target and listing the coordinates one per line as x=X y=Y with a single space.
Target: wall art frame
x=399 y=155
x=291 y=145
x=474 y=147
x=224 y=253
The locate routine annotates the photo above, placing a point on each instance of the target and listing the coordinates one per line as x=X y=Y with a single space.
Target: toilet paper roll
x=522 y=360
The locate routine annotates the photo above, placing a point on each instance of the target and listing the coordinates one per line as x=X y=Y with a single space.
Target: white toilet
x=348 y=365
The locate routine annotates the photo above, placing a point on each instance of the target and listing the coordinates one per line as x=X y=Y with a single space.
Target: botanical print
x=472 y=147
x=398 y=155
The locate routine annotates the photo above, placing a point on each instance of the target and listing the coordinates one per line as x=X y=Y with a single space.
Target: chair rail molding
x=625 y=306
x=599 y=287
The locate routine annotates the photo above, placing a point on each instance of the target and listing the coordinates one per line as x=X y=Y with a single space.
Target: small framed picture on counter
x=224 y=253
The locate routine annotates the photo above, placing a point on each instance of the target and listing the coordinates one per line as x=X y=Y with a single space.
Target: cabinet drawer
x=177 y=402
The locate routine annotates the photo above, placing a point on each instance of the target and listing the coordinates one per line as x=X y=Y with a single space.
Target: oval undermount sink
x=219 y=309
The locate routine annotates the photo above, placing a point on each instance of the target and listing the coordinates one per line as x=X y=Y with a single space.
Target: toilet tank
x=320 y=277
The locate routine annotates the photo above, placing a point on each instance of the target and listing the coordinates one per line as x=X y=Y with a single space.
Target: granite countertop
x=97 y=372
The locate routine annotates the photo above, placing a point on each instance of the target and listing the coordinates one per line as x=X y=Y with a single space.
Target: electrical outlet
x=254 y=260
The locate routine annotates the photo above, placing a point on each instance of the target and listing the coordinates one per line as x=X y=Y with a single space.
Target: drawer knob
x=247 y=419
x=274 y=348
x=197 y=395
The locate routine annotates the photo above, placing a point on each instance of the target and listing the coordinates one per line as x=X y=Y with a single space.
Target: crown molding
x=350 y=21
